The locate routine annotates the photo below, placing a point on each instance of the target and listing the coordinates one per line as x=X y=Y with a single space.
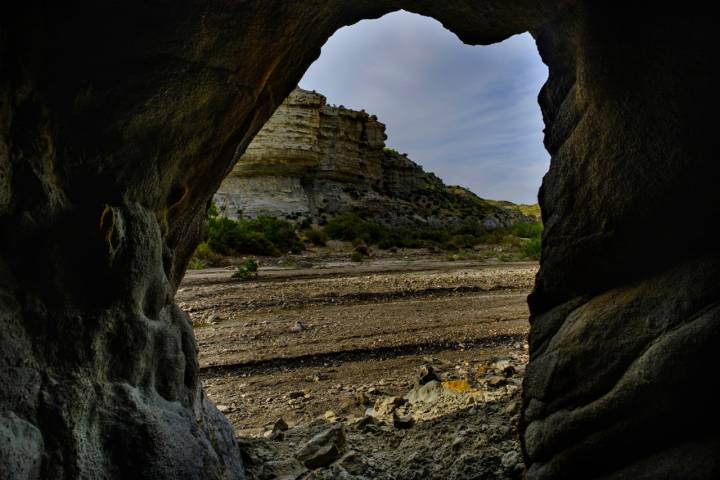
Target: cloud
x=467 y=113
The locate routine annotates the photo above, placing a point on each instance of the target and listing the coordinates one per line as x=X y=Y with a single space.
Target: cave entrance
x=382 y=288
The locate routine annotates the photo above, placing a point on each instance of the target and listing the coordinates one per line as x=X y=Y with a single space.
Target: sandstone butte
x=312 y=161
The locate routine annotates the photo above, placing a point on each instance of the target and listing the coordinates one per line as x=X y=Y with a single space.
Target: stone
x=427 y=374
x=511 y=408
x=510 y=460
x=496 y=381
x=298 y=327
x=354 y=463
x=403 y=421
x=324 y=448
x=280 y=425
x=22 y=448
x=387 y=405
x=363 y=421
x=362 y=399
x=428 y=394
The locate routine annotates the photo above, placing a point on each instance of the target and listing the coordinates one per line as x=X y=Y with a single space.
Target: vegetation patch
x=259 y=236
x=268 y=236
x=247 y=270
x=523 y=236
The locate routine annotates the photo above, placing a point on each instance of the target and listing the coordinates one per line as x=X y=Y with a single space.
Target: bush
x=196 y=264
x=260 y=236
x=204 y=257
x=246 y=270
x=363 y=250
x=316 y=237
x=533 y=248
x=527 y=229
x=279 y=232
x=349 y=227
x=357 y=256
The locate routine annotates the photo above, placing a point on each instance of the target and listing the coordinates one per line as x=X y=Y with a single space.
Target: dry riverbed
x=322 y=346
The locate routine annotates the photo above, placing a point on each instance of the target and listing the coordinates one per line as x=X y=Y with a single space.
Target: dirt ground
x=325 y=344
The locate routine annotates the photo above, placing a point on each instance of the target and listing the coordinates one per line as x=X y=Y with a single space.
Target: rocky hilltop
x=312 y=161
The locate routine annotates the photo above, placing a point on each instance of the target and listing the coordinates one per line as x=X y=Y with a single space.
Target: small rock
x=363 y=421
x=324 y=448
x=296 y=394
x=403 y=421
x=298 y=327
x=353 y=463
x=511 y=408
x=278 y=436
x=361 y=398
x=388 y=405
x=223 y=408
x=427 y=374
x=496 y=381
x=330 y=416
x=280 y=425
x=510 y=460
x=428 y=393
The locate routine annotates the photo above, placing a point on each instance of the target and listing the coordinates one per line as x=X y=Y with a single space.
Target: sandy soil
x=299 y=342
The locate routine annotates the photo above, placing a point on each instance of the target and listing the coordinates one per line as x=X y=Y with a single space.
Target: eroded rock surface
x=312 y=161
x=119 y=120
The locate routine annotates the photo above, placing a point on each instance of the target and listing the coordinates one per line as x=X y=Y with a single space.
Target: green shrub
x=279 y=232
x=391 y=151
x=350 y=226
x=196 y=264
x=246 y=270
x=260 y=236
x=527 y=229
x=316 y=237
x=533 y=248
x=212 y=210
x=357 y=256
x=204 y=257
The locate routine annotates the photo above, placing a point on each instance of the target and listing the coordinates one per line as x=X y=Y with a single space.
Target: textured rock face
x=119 y=121
x=301 y=160
x=312 y=161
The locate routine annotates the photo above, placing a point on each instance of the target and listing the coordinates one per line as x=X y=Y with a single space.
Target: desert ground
x=393 y=368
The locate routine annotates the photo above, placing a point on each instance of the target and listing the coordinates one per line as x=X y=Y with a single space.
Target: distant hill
x=313 y=161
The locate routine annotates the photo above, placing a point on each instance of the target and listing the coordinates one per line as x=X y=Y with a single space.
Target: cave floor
x=319 y=345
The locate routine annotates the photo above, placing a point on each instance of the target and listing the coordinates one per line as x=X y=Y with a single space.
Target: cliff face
x=312 y=161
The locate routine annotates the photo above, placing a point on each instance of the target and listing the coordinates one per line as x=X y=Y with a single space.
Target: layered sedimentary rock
x=312 y=161
x=119 y=120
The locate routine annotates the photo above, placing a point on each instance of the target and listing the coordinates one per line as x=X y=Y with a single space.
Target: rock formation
x=119 y=120
x=312 y=161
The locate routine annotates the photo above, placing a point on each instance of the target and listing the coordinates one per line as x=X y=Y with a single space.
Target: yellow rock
x=457 y=386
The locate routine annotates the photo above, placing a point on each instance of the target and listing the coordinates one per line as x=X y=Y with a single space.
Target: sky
x=466 y=113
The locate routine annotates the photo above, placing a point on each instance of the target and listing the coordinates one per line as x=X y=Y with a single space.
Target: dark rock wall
x=625 y=308
x=118 y=121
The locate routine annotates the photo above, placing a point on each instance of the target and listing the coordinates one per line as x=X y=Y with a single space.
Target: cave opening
x=365 y=324
x=118 y=124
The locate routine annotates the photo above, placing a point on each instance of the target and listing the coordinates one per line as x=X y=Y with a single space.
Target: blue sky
x=467 y=113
